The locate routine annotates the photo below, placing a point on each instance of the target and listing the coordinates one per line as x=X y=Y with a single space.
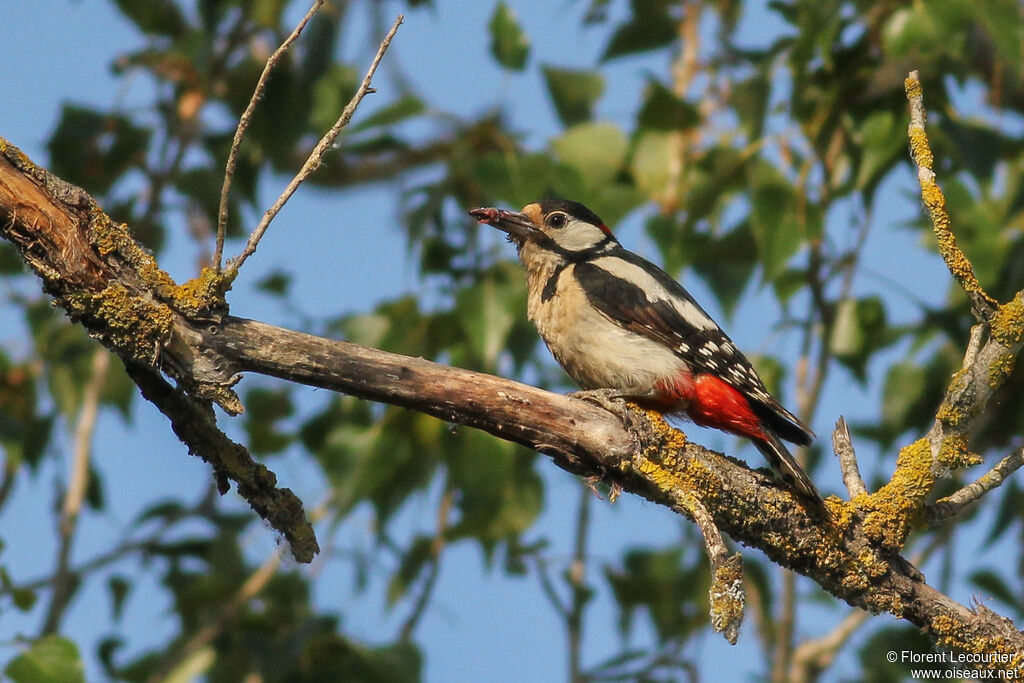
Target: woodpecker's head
x=557 y=224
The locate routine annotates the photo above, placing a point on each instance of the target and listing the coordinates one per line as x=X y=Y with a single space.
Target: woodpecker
x=615 y=321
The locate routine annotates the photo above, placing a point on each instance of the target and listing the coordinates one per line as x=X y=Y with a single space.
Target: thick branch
x=95 y=271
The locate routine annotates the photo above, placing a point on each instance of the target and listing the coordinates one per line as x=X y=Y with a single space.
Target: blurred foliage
x=758 y=169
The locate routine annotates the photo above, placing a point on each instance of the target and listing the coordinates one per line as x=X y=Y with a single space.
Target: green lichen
x=123 y=321
x=200 y=297
x=1007 y=324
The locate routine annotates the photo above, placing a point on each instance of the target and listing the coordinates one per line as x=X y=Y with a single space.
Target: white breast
x=595 y=351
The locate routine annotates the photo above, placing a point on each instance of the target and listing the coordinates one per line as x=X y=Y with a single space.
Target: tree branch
x=108 y=284
x=843 y=447
x=316 y=156
x=64 y=579
x=243 y=125
x=959 y=266
x=953 y=504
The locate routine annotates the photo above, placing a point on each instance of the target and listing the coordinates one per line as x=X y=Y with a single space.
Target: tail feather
x=786 y=466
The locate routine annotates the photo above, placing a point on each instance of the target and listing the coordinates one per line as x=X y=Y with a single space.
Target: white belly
x=595 y=351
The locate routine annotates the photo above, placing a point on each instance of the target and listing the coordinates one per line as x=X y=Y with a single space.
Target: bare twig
x=64 y=578
x=444 y=510
x=243 y=125
x=252 y=587
x=817 y=654
x=316 y=156
x=952 y=504
x=843 y=447
x=935 y=202
x=577 y=577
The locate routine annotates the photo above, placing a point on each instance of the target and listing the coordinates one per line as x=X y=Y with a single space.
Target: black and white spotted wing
x=643 y=298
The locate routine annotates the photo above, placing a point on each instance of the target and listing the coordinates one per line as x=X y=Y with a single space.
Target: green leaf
x=192 y=666
x=858 y=331
x=509 y=44
x=52 y=659
x=573 y=92
x=119 y=586
x=413 y=561
x=276 y=283
x=726 y=263
x=404 y=108
x=749 y=98
x=773 y=219
x=488 y=310
x=11 y=262
x=651 y=163
x=94 y=149
x=650 y=27
x=663 y=110
x=881 y=138
x=904 y=386
x=265 y=408
x=597 y=151
x=155 y=17
x=993 y=584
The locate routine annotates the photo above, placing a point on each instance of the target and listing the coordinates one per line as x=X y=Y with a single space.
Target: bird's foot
x=609 y=399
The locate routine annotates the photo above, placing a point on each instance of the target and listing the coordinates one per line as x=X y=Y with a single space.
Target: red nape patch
x=717 y=404
x=604 y=229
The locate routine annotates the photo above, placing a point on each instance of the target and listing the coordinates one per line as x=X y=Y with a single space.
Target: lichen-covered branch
x=108 y=284
x=935 y=202
x=951 y=505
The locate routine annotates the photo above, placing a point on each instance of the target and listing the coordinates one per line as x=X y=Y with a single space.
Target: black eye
x=557 y=220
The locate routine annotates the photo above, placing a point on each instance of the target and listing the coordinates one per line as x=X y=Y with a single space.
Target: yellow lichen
x=1001 y=369
x=126 y=322
x=957 y=393
x=954 y=634
x=1008 y=323
x=194 y=299
x=201 y=294
x=892 y=511
x=727 y=598
x=955 y=454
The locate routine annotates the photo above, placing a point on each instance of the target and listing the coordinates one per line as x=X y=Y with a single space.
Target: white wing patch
x=655 y=292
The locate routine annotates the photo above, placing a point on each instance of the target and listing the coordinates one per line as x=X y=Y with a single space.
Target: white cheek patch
x=655 y=291
x=577 y=235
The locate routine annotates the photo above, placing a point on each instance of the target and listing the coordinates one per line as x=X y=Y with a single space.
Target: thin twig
x=952 y=504
x=577 y=578
x=726 y=592
x=815 y=655
x=843 y=447
x=252 y=587
x=243 y=125
x=958 y=264
x=436 y=547
x=64 y=578
x=316 y=156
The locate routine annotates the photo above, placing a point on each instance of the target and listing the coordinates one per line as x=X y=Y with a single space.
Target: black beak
x=516 y=224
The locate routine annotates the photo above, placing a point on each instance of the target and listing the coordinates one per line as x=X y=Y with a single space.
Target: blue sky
x=481 y=625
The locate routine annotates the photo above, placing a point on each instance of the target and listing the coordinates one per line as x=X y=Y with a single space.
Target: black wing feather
x=658 y=320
